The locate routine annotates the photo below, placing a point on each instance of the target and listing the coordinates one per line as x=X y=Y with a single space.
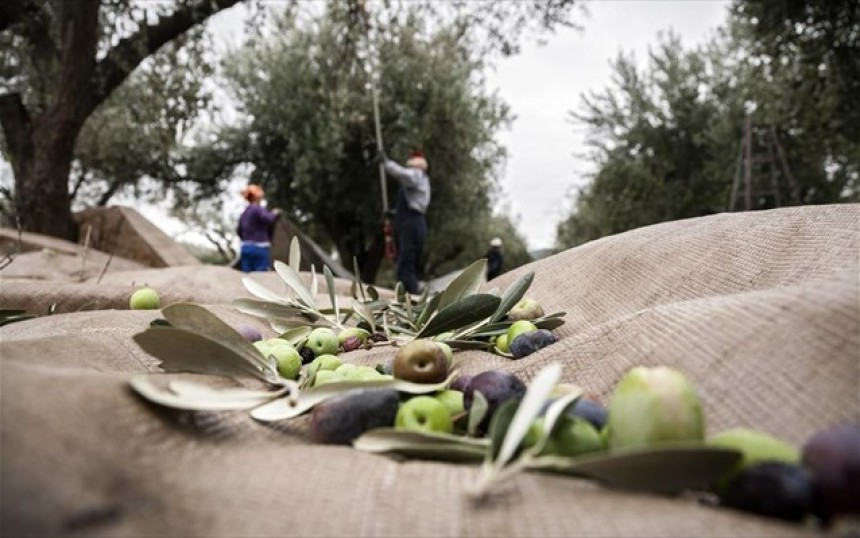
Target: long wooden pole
x=748 y=163
x=383 y=183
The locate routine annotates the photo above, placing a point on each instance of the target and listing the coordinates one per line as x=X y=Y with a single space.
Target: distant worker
x=255 y=231
x=495 y=260
x=410 y=225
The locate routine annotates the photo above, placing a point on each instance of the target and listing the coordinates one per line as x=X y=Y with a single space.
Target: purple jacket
x=255 y=224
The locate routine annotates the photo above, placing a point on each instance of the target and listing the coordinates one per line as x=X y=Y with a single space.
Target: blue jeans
x=254 y=258
x=410 y=232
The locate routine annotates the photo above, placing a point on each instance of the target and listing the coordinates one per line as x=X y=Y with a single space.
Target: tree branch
x=108 y=194
x=131 y=51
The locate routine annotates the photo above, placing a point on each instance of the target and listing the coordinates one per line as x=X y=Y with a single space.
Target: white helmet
x=496 y=242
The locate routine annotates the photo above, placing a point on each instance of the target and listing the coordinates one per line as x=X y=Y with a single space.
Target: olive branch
x=462 y=315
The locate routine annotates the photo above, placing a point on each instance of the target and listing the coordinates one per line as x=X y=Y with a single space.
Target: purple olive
x=527 y=343
x=773 y=489
x=833 y=457
x=497 y=387
x=249 y=333
x=307 y=355
x=344 y=418
x=461 y=383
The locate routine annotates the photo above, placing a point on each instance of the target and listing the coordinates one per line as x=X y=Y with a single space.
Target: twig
x=112 y=252
x=105 y=268
x=86 y=251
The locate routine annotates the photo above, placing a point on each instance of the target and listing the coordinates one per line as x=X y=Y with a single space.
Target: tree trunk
x=42 y=191
x=41 y=142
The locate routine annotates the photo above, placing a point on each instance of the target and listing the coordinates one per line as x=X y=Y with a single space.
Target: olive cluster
x=777 y=480
x=649 y=407
x=319 y=345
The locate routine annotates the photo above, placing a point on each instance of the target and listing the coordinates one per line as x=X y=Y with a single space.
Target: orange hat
x=252 y=193
x=417 y=160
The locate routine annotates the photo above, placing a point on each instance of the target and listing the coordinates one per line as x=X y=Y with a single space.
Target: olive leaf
x=429 y=308
x=499 y=425
x=409 y=310
x=661 y=469
x=195 y=318
x=12 y=315
x=198 y=341
x=362 y=311
x=332 y=292
x=315 y=285
x=549 y=323
x=295 y=254
x=512 y=296
x=477 y=412
x=467 y=344
x=425 y=445
x=266 y=309
x=295 y=335
x=509 y=425
x=282 y=325
x=261 y=291
x=356 y=288
x=292 y=279
x=305 y=399
x=533 y=402
x=467 y=310
x=492 y=329
x=554 y=412
x=181 y=350
x=468 y=282
x=237 y=395
x=196 y=397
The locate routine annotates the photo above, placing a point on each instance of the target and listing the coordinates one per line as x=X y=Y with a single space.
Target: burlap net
x=760 y=310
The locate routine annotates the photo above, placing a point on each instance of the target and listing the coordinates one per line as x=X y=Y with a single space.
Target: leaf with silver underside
x=468 y=282
x=266 y=309
x=181 y=350
x=477 y=412
x=422 y=445
x=294 y=281
x=304 y=400
x=190 y=396
x=198 y=341
x=659 y=469
x=258 y=290
x=512 y=296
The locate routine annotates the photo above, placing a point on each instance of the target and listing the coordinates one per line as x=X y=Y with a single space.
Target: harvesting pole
x=387 y=227
x=383 y=183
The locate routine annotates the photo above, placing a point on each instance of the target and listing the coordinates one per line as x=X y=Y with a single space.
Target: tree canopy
x=98 y=96
x=304 y=90
x=145 y=129
x=59 y=61
x=665 y=138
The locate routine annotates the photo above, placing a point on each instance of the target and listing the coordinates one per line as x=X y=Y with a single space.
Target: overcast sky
x=544 y=83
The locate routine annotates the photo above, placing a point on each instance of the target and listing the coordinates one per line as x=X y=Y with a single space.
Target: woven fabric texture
x=759 y=310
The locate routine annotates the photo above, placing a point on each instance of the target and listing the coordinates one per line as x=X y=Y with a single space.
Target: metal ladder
x=757 y=191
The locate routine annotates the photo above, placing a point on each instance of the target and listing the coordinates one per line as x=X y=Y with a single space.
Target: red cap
x=252 y=193
x=417 y=153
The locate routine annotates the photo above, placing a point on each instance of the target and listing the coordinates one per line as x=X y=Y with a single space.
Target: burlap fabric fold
x=205 y=284
x=760 y=310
